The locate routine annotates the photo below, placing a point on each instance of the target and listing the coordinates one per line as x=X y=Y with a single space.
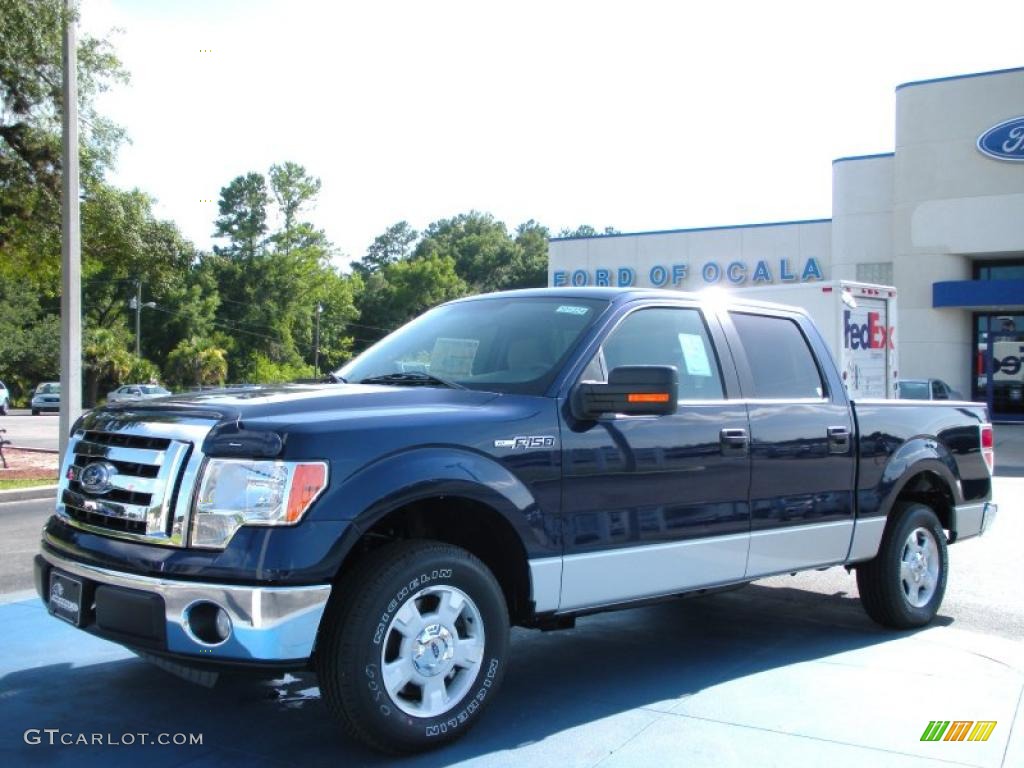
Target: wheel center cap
x=433 y=650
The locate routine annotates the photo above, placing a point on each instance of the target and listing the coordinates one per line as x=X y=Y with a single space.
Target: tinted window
x=502 y=345
x=780 y=360
x=675 y=337
x=913 y=390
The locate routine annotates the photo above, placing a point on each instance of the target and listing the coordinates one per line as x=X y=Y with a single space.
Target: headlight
x=237 y=492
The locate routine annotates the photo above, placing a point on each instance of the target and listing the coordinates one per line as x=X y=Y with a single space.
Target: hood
x=297 y=402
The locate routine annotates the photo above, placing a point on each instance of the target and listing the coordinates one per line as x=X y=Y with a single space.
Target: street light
x=137 y=305
x=316 y=342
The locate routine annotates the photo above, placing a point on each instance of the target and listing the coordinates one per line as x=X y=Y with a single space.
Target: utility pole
x=137 y=305
x=316 y=342
x=138 y=317
x=71 y=243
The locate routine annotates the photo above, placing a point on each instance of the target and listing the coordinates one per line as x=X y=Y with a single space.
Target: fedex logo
x=870 y=335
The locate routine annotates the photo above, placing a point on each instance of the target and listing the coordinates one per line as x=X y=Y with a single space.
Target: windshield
x=48 y=389
x=501 y=345
x=914 y=390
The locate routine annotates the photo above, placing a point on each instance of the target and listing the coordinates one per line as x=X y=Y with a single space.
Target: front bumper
x=268 y=624
x=45 y=405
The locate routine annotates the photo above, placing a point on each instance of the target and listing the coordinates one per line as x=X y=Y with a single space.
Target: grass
x=9 y=483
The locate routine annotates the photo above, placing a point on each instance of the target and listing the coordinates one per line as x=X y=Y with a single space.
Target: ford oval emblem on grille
x=96 y=477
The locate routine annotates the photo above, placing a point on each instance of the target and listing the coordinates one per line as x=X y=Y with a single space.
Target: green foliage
x=266 y=371
x=393 y=245
x=243 y=216
x=105 y=360
x=29 y=341
x=585 y=230
x=30 y=111
x=142 y=371
x=196 y=361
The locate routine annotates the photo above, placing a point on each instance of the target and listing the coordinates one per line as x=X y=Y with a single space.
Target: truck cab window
x=781 y=363
x=665 y=336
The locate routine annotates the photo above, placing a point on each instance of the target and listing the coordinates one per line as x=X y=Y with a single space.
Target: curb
x=31 y=450
x=26 y=494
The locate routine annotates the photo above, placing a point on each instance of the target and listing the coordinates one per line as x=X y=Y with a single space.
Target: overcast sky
x=639 y=115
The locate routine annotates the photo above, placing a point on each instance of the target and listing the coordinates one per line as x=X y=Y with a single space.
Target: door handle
x=838 y=440
x=734 y=442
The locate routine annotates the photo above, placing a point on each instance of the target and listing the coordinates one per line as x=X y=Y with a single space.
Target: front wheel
x=35 y=411
x=904 y=585
x=413 y=646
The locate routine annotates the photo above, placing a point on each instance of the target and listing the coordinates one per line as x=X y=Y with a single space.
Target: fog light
x=208 y=623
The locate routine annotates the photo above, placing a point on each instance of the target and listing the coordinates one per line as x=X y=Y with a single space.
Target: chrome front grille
x=148 y=471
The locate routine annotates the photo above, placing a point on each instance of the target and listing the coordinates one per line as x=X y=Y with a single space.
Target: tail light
x=988 y=446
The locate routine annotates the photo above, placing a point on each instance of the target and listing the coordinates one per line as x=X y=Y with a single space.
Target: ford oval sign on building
x=1004 y=141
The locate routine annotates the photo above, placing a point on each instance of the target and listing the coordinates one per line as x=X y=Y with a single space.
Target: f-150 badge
x=527 y=441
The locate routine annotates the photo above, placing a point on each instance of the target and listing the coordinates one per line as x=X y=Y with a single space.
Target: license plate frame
x=65 y=591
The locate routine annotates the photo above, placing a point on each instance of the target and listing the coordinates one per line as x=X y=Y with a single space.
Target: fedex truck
x=858 y=320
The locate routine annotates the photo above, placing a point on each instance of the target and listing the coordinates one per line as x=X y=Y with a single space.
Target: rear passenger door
x=802 y=470
x=655 y=505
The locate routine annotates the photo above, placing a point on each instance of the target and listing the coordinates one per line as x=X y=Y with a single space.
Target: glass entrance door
x=999 y=364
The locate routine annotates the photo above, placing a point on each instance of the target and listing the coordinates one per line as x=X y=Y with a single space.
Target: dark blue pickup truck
x=515 y=458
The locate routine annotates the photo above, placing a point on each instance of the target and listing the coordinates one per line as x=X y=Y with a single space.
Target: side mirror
x=638 y=390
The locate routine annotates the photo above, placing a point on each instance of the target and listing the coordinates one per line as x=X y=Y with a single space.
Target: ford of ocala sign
x=1004 y=141
x=674 y=275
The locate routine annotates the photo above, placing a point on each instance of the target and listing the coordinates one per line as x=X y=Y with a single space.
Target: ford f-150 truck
x=516 y=458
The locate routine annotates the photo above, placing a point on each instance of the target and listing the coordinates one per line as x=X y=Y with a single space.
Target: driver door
x=655 y=505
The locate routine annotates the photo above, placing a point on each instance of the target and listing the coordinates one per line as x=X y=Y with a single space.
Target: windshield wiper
x=411 y=380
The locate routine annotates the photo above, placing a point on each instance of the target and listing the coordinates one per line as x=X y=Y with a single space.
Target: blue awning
x=979 y=294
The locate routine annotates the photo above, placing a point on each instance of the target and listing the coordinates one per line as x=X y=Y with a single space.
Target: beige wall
x=950 y=203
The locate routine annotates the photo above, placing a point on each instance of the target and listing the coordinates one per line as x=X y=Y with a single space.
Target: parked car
x=5 y=399
x=927 y=389
x=135 y=392
x=557 y=452
x=46 y=397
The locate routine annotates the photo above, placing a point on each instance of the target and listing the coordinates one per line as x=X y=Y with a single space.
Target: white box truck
x=858 y=320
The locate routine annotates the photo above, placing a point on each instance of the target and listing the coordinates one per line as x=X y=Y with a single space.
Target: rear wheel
x=904 y=585
x=35 y=411
x=413 y=646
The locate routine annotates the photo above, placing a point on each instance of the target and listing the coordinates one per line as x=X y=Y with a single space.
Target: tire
x=903 y=586
x=392 y=609
x=35 y=411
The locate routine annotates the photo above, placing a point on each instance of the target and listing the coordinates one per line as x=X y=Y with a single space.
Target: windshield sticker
x=453 y=357
x=566 y=309
x=695 y=355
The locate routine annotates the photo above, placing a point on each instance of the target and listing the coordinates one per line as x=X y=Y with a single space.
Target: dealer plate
x=65 y=601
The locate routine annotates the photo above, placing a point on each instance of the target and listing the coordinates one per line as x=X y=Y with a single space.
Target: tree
x=105 y=358
x=30 y=101
x=196 y=361
x=585 y=230
x=243 y=216
x=400 y=291
x=476 y=242
x=292 y=188
x=393 y=245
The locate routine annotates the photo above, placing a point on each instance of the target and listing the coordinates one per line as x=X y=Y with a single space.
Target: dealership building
x=941 y=218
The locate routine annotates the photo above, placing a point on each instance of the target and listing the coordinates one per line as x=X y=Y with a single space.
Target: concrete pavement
x=27 y=431
x=786 y=672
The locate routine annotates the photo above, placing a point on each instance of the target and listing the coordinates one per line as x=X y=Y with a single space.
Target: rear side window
x=781 y=363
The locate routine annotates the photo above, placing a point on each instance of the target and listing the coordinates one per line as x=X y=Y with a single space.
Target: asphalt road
x=27 y=431
x=980 y=595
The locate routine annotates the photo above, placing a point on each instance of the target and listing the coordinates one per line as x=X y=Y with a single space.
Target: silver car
x=133 y=392
x=46 y=397
x=5 y=399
